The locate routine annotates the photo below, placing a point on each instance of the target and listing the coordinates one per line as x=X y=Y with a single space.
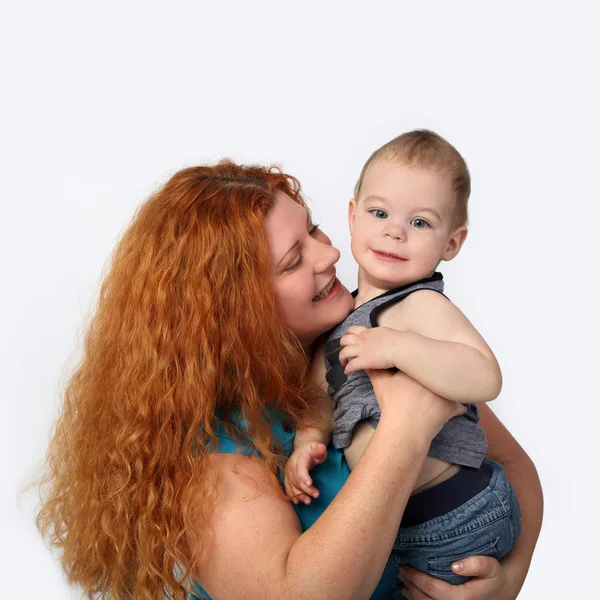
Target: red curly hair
x=185 y=329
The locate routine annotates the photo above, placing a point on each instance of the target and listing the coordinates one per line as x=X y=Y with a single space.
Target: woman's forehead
x=284 y=224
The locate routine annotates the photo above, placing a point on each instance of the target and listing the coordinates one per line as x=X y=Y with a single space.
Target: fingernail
x=459 y=566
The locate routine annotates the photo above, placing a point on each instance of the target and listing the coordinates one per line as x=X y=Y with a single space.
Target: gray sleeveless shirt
x=460 y=441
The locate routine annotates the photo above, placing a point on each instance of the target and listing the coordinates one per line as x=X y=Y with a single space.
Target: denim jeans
x=486 y=524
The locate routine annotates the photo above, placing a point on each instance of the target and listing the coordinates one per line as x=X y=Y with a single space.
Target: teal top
x=328 y=478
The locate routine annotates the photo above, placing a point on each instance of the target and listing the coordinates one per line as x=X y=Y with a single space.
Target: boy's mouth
x=388 y=256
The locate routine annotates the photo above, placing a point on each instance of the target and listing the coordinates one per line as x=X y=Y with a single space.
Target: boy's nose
x=395 y=231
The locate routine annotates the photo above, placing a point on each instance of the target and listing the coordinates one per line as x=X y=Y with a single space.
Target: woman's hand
x=489 y=582
x=402 y=397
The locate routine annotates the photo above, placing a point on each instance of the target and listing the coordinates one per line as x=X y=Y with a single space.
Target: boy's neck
x=368 y=288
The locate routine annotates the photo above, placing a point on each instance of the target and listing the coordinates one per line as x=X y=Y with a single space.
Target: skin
x=406 y=213
x=303 y=266
x=343 y=554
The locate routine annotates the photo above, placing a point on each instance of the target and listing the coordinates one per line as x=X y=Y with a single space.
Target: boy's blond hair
x=425 y=149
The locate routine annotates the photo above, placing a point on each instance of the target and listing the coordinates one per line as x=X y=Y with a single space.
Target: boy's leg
x=486 y=524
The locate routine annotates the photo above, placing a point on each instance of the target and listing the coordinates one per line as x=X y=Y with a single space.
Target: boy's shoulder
x=420 y=304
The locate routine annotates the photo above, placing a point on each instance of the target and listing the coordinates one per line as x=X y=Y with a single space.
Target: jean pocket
x=440 y=566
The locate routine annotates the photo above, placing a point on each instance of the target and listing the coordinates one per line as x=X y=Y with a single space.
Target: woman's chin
x=339 y=308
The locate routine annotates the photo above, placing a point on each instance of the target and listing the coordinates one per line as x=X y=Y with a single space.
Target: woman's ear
x=455 y=242
x=351 y=214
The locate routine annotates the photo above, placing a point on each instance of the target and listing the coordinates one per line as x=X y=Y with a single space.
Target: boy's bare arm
x=319 y=430
x=312 y=437
x=438 y=346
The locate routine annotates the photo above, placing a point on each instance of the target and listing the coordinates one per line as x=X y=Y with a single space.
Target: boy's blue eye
x=419 y=223
x=378 y=213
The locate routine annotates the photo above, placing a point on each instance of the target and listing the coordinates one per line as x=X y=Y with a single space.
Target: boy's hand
x=364 y=348
x=298 y=482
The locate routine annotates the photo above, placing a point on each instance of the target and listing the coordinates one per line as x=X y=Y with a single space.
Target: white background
x=101 y=102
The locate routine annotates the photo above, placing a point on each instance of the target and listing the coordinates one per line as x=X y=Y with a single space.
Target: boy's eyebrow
x=297 y=241
x=434 y=212
x=374 y=197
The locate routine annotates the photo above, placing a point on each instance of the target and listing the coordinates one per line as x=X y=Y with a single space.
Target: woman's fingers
x=477 y=566
x=412 y=593
x=423 y=586
x=487 y=583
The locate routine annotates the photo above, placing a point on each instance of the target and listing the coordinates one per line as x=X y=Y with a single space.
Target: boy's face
x=402 y=225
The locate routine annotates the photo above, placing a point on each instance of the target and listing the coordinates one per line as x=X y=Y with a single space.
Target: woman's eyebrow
x=297 y=242
x=290 y=250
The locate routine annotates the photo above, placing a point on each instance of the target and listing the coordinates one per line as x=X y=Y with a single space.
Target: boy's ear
x=351 y=214
x=455 y=242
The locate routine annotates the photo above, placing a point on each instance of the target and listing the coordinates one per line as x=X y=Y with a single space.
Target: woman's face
x=309 y=297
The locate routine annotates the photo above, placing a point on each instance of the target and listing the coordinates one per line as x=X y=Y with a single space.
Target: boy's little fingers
x=348 y=339
x=302 y=476
x=353 y=365
x=355 y=330
x=319 y=454
x=310 y=490
x=304 y=498
x=348 y=353
x=290 y=490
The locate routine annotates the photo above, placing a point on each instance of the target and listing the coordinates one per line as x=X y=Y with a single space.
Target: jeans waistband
x=446 y=496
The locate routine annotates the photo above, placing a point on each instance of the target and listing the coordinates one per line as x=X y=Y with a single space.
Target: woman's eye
x=378 y=213
x=419 y=223
x=295 y=266
x=314 y=229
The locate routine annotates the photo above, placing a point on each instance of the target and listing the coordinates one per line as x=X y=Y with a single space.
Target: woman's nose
x=328 y=256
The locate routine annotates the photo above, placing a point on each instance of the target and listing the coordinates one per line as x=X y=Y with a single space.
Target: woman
x=163 y=466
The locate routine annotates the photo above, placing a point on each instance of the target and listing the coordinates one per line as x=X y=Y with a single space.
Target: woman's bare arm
x=257 y=548
x=522 y=474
